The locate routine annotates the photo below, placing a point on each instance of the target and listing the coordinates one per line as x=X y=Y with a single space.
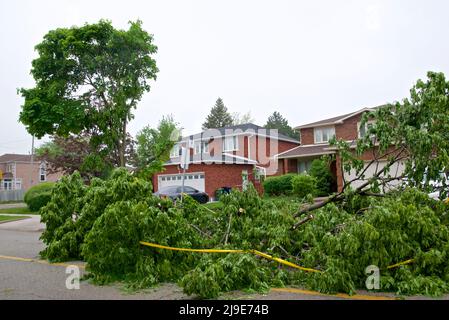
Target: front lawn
x=23 y=210
x=11 y=218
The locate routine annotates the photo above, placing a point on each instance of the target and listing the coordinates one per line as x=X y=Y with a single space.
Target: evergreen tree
x=218 y=117
x=277 y=121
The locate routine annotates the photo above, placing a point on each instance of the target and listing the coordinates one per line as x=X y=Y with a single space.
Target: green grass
x=12 y=201
x=214 y=205
x=11 y=218
x=24 y=210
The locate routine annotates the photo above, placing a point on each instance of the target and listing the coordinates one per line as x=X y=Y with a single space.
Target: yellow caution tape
x=258 y=253
x=401 y=263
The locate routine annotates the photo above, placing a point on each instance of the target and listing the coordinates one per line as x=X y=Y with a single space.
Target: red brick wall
x=216 y=175
x=348 y=129
x=307 y=136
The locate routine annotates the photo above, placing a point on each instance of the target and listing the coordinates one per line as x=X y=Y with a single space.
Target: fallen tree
x=413 y=133
x=113 y=216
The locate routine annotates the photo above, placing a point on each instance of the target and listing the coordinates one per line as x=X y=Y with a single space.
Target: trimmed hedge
x=39 y=195
x=324 y=178
x=303 y=185
x=279 y=185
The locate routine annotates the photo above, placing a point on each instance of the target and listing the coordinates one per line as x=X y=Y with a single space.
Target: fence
x=11 y=195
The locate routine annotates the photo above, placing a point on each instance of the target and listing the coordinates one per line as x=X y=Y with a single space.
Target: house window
x=364 y=129
x=42 y=172
x=304 y=166
x=7 y=184
x=10 y=167
x=18 y=184
x=201 y=147
x=176 y=151
x=324 y=134
x=230 y=143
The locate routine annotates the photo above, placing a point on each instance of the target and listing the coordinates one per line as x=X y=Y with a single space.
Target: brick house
x=18 y=172
x=315 y=139
x=225 y=157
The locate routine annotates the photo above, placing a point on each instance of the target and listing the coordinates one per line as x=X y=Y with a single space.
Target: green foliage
x=88 y=80
x=414 y=131
x=303 y=185
x=218 y=117
x=37 y=196
x=154 y=145
x=320 y=170
x=74 y=208
x=277 y=121
x=279 y=185
x=113 y=216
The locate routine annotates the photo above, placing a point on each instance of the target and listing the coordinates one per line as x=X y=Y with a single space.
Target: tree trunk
x=123 y=145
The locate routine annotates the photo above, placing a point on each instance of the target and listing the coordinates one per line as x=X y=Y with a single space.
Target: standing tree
x=242 y=119
x=154 y=146
x=76 y=153
x=88 y=80
x=218 y=117
x=277 y=121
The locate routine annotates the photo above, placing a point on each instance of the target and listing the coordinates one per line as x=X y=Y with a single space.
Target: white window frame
x=10 y=167
x=235 y=143
x=42 y=172
x=174 y=152
x=18 y=184
x=7 y=184
x=201 y=147
x=318 y=134
x=369 y=122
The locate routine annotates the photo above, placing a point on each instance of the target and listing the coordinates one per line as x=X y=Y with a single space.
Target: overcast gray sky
x=306 y=59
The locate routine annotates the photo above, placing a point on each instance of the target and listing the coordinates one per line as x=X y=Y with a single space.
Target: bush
x=303 y=185
x=280 y=185
x=324 y=179
x=39 y=195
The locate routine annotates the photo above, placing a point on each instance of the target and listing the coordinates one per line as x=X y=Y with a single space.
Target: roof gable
x=335 y=120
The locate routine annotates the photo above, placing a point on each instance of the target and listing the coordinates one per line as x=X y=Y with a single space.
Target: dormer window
x=324 y=134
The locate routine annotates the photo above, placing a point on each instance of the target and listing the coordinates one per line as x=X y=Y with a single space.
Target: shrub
x=324 y=179
x=39 y=195
x=280 y=185
x=303 y=185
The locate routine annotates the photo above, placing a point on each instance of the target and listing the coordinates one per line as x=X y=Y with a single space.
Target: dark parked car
x=174 y=193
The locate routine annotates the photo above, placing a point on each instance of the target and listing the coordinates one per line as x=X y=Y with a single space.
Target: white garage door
x=195 y=180
x=396 y=170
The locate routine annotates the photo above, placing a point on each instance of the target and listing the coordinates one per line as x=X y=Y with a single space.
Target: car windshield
x=187 y=189
x=168 y=190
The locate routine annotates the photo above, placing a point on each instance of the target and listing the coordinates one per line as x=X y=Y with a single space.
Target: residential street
x=24 y=276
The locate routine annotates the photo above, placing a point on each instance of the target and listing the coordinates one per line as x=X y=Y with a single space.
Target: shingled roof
x=11 y=157
x=334 y=120
x=307 y=151
x=245 y=128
